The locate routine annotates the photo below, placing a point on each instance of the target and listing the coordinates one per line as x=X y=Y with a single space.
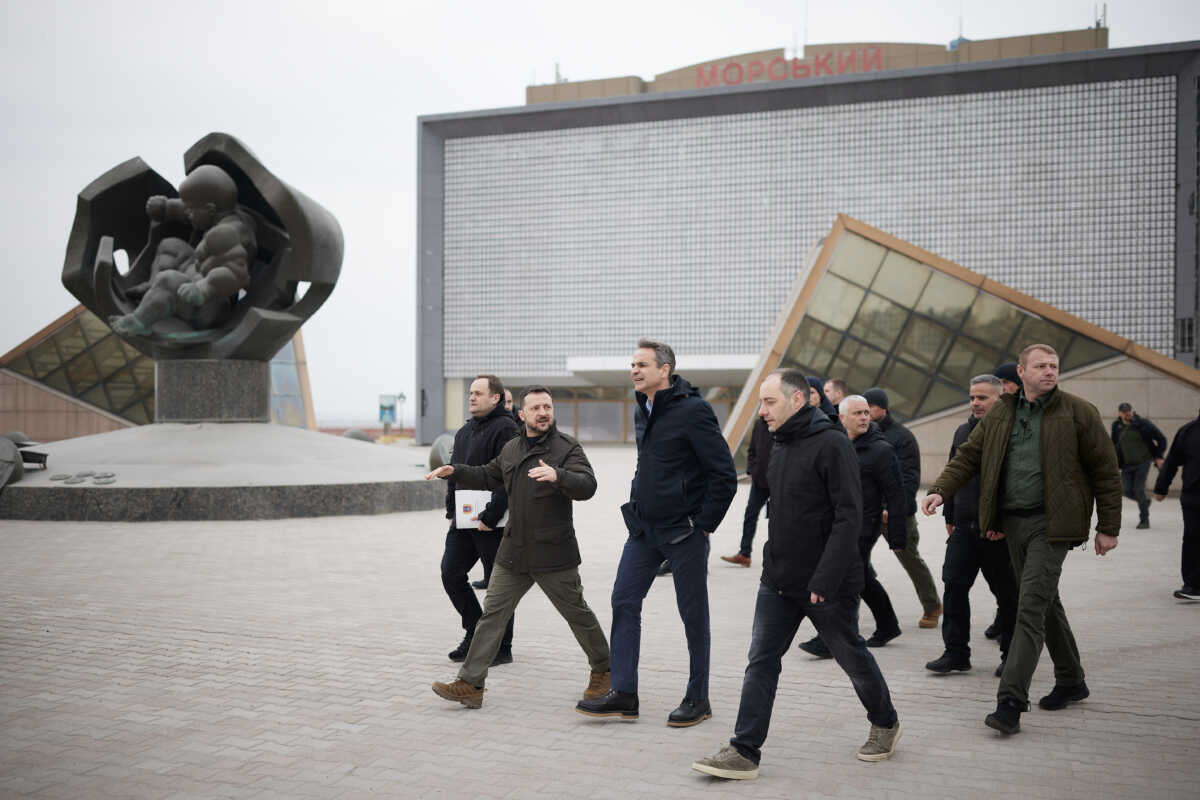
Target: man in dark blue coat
x=684 y=483
x=811 y=569
x=1185 y=452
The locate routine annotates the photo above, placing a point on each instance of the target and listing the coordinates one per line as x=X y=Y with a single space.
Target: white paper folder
x=468 y=503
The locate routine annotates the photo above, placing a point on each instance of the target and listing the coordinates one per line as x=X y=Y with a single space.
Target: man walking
x=1185 y=452
x=543 y=471
x=879 y=473
x=477 y=442
x=758 y=455
x=968 y=552
x=1043 y=460
x=811 y=568
x=1138 y=442
x=909 y=453
x=684 y=483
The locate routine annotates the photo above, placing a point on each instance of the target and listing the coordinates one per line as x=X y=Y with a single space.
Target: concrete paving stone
x=292 y=658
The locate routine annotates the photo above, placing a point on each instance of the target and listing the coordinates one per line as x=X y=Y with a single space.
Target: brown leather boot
x=737 y=558
x=460 y=692
x=598 y=685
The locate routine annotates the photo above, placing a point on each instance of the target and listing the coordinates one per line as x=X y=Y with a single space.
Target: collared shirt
x=649 y=406
x=1024 y=486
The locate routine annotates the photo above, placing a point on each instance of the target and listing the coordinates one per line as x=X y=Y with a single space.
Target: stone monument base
x=211 y=390
x=221 y=471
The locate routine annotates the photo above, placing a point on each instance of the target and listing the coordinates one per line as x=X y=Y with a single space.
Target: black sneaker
x=816 y=647
x=689 y=713
x=481 y=585
x=949 y=663
x=460 y=653
x=503 y=656
x=1143 y=525
x=1188 y=593
x=880 y=639
x=664 y=568
x=1006 y=718
x=1061 y=696
x=614 y=704
x=1000 y=667
x=993 y=630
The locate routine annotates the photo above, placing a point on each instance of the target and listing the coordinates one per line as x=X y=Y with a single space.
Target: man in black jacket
x=1138 y=442
x=684 y=483
x=969 y=551
x=542 y=471
x=909 y=454
x=477 y=442
x=758 y=455
x=1185 y=452
x=811 y=568
x=879 y=470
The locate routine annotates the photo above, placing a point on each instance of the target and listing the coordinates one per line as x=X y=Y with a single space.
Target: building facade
x=552 y=236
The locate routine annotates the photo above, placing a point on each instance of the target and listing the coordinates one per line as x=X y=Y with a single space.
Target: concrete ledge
x=144 y=504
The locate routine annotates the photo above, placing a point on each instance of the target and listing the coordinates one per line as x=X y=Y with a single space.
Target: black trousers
x=968 y=554
x=758 y=498
x=1133 y=486
x=463 y=549
x=1191 y=546
x=873 y=593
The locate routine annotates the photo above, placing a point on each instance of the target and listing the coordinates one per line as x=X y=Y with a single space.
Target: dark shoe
x=479 y=585
x=460 y=653
x=993 y=631
x=1000 y=667
x=816 y=647
x=689 y=713
x=1006 y=718
x=1143 y=525
x=949 y=663
x=503 y=656
x=460 y=692
x=740 y=560
x=1188 y=593
x=664 y=568
x=614 y=704
x=880 y=639
x=1061 y=696
x=728 y=763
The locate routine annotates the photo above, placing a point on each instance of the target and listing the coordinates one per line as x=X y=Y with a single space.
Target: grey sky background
x=327 y=96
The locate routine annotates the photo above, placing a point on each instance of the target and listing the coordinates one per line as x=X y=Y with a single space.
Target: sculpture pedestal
x=212 y=390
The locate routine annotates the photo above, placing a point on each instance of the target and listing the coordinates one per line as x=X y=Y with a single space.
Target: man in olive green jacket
x=543 y=471
x=1044 y=458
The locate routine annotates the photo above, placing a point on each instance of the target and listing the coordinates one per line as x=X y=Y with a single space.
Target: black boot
x=1061 y=696
x=460 y=653
x=689 y=713
x=1006 y=718
x=948 y=662
x=816 y=647
x=613 y=704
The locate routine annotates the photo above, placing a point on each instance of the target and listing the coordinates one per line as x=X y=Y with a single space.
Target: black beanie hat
x=876 y=397
x=1008 y=372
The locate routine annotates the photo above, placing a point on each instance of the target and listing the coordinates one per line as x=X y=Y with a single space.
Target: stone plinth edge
x=156 y=504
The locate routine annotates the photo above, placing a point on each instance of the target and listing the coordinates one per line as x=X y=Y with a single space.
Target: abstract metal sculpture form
x=216 y=269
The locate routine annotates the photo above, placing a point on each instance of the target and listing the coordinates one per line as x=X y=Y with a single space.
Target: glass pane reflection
x=941 y=397
x=1084 y=351
x=967 y=359
x=993 y=321
x=946 y=299
x=901 y=279
x=904 y=385
x=857 y=364
x=857 y=259
x=813 y=347
x=1035 y=330
x=879 y=321
x=924 y=343
x=835 y=302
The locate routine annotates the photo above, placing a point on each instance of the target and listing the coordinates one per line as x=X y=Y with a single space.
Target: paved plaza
x=293 y=659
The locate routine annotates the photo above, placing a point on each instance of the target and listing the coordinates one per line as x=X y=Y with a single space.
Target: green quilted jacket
x=1079 y=466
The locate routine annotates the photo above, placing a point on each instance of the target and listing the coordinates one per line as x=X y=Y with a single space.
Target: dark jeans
x=873 y=593
x=1191 y=546
x=1037 y=563
x=968 y=554
x=776 y=619
x=1133 y=485
x=758 y=498
x=635 y=574
x=463 y=549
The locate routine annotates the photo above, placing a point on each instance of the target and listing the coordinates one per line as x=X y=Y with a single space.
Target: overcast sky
x=327 y=96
